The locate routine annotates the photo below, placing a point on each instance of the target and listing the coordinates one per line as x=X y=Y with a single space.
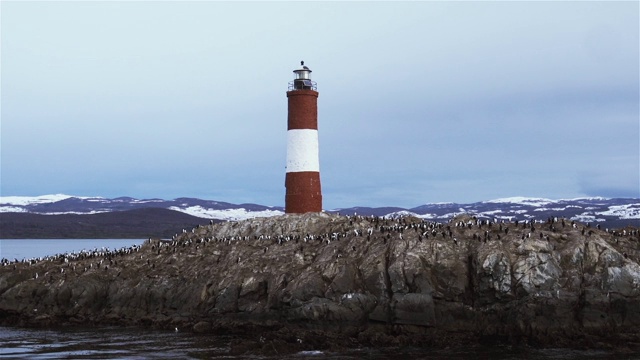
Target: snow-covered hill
x=67 y=204
x=597 y=209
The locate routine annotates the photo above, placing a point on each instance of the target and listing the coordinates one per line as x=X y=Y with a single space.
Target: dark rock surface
x=323 y=281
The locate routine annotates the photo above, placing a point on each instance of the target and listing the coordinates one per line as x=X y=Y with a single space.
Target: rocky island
x=321 y=281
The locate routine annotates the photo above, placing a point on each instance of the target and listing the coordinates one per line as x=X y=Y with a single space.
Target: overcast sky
x=419 y=102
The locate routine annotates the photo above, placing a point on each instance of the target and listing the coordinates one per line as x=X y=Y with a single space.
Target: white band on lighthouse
x=302 y=150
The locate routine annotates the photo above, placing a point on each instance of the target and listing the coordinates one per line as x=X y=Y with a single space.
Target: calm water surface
x=137 y=343
x=140 y=343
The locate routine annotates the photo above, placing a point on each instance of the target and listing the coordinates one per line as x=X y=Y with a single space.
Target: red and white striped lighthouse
x=303 y=162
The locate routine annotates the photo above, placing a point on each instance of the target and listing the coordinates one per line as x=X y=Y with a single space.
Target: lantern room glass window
x=302 y=74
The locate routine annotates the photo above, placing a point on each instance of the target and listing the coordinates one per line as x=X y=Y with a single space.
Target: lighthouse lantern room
x=302 y=79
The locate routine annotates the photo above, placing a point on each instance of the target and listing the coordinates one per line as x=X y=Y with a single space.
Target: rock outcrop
x=296 y=279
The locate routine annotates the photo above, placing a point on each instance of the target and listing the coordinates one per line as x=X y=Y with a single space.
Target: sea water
x=141 y=343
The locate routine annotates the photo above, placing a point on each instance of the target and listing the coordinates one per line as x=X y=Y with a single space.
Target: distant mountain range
x=66 y=204
x=23 y=211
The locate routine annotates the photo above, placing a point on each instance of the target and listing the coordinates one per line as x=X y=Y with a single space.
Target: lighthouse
x=302 y=181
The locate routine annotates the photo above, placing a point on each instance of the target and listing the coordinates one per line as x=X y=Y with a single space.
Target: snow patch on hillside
x=12 y=209
x=227 y=214
x=428 y=216
x=29 y=200
x=75 y=212
x=399 y=214
x=450 y=215
x=522 y=201
x=595 y=198
x=586 y=218
x=627 y=212
x=136 y=201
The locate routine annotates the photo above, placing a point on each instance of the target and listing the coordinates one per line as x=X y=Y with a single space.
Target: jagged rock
x=372 y=280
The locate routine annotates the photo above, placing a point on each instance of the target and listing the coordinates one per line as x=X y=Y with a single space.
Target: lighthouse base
x=303 y=192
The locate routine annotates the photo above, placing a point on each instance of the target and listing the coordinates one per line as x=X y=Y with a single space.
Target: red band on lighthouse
x=303 y=191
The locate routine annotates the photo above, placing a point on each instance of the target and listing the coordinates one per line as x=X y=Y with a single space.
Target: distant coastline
x=66 y=216
x=131 y=224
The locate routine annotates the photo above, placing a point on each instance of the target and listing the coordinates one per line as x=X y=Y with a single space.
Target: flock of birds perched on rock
x=92 y=259
x=367 y=228
x=424 y=230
